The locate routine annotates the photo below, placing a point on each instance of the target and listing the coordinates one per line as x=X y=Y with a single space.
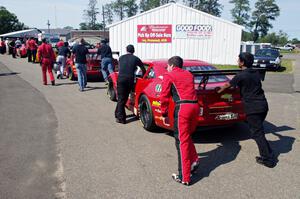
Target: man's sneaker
x=120 y=121
x=266 y=162
x=53 y=83
x=195 y=166
x=176 y=178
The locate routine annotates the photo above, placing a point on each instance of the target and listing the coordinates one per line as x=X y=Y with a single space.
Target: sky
x=61 y=13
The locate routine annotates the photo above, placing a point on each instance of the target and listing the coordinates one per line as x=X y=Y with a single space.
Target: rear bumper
x=212 y=122
x=267 y=66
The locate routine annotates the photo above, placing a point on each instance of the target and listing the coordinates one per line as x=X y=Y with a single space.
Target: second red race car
x=215 y=109
x=93 y=65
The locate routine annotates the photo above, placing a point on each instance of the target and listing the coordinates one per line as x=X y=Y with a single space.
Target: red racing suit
x=179 y=84
x=47 y=57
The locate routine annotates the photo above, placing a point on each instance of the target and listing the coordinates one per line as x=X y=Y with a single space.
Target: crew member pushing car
x=127 y=66
x=255 y=104
x=47 y=57
x=179 y=84
x=106 y=60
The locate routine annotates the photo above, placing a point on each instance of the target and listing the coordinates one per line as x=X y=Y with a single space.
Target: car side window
x=151 y=74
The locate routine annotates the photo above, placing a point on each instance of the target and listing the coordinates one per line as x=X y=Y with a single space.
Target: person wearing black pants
x=127 y=66
x=255 y=105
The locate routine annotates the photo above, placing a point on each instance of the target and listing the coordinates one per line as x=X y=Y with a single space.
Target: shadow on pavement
x=229 y=147
x=132 y=118
x=89 y=88
x=284 y=144
x=8 y=74
x=67 y=83
x=224 y=153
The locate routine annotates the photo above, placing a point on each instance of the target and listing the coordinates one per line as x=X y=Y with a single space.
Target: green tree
x=68 y=28
x=9 y=21
x=131 y=8
x=90 y=16
x=83 y=26
x=212 y=7
x=246 y=36
x=265 y=11
x=280 y=38
x=148 y=4
x=240 y=12
x=295 y=41
x=118 y=8
x=108 y=14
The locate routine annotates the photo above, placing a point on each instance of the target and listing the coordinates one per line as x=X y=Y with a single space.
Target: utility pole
x=55 y=16
x=103 y=16
x=48 y=24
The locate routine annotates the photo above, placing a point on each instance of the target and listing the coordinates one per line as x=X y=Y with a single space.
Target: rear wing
x=206 y=74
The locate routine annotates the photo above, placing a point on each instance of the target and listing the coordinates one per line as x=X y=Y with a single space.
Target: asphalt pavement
x=28 y=153
x=97 y=158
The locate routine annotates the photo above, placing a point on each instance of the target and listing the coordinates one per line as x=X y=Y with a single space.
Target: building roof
x=57 y=31
x=179 y=5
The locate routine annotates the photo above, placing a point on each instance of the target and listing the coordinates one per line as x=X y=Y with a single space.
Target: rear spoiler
x=206 y=74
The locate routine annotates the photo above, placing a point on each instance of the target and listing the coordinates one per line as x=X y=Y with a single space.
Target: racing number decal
x=158 y=88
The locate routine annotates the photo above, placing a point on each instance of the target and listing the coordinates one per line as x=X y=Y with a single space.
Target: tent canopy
x=22 y=33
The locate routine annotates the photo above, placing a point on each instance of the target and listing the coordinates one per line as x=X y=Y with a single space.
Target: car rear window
x=212 y=79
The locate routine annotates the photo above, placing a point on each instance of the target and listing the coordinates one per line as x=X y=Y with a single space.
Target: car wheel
x=71 y=74
x=111 y=91
x=146 y=114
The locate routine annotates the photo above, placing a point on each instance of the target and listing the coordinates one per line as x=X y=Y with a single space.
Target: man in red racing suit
x=47 y=57
x=179 y=84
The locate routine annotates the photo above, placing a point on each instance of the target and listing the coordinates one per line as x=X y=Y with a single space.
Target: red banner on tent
x=154 y=33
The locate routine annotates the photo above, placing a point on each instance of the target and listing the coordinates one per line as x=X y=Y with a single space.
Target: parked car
x=267 y=58
x=215 y=109
x=286 y=47
x=93 y=65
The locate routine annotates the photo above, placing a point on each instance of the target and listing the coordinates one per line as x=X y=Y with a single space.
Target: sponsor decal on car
x=227 y=96
x=227 y=116
x=156 y=103
x=158 y=88
x=157 y=110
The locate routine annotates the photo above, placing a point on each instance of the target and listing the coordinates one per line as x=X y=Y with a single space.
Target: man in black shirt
x=80 y=52
x=255 y=104
x=106 y=60
x=63 y=53
x=127 y=65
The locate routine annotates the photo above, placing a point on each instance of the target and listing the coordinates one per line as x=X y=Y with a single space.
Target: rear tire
x=111 y=91
x=146 y=114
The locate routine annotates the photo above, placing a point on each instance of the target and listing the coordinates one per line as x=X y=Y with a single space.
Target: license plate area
x=263 y=65
x=227 y=116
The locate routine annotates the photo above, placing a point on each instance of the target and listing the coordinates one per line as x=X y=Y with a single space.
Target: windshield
x=54 y=40
x=212 y=79
x=267 y=53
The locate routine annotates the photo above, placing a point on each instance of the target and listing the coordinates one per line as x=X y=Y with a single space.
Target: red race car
x=93 y=65
x=215 y=109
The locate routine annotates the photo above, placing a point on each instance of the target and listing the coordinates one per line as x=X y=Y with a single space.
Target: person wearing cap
x=81 y=52
x=255 y=105
x=47 y=58
x=128 y=64
x=106 y=60
x=179 y=84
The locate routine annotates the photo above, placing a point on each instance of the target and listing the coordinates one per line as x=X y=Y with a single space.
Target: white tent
x=22 y=33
